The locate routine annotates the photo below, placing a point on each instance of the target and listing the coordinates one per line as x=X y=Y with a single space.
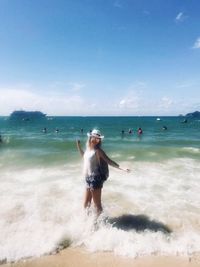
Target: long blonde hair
x=88 y=143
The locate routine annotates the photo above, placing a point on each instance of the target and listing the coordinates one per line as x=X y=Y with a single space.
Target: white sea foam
x=131 y=157
x=192 y=149
x=115 y=155
x=41 y=206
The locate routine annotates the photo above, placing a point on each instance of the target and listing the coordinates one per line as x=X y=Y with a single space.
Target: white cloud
x=138 y=99
x=131 y=101
x=185 y=84
x=52 y=103
x=196 y=44
x=143 y=103
x=12 y=99
x=76 y=86
x=180 y=17
x=67 y=86
x=166 y=103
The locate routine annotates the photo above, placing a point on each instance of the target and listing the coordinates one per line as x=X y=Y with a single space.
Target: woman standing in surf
x=93 y=172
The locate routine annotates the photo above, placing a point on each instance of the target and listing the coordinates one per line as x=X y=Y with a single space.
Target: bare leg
x=96 y=196
x=88 y=198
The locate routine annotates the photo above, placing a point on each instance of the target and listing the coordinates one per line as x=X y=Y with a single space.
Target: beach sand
x=76 y=257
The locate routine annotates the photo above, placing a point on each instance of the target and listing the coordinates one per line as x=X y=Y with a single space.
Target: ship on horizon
x=26 y=115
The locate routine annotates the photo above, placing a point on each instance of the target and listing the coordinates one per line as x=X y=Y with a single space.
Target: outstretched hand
x=125 y=170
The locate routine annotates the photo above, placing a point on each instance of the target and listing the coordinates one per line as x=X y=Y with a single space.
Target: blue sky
x=100 y=57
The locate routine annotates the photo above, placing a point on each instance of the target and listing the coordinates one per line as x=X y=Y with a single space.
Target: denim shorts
x=94 y=182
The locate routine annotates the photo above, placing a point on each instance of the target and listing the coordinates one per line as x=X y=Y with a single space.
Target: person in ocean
x=44 y=130
x=92 y=172
x=122 y=133
x=130 y=131
x=140 y=131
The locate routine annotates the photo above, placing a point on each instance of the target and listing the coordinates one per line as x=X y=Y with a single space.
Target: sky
x=100 y=57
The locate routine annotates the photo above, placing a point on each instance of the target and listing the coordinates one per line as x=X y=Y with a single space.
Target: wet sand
x=76 y=257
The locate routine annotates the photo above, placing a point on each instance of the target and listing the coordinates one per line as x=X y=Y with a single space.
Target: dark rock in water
x=26 y=115
x=195 y=114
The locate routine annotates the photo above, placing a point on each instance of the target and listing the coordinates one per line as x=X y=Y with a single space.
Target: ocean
x=42 y=187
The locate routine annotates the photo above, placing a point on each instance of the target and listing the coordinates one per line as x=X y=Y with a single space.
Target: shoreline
x=76 y=257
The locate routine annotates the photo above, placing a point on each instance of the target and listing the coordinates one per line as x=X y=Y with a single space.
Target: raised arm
x=112 y=163
x=78 y=144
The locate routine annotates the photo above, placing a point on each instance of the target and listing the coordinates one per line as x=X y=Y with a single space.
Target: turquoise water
x=34 y=146
x=42 y=186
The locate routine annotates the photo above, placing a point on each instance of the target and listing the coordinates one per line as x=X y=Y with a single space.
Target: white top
x=91 y=164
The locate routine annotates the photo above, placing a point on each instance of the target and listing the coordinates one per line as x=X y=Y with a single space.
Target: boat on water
x=26 y=115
